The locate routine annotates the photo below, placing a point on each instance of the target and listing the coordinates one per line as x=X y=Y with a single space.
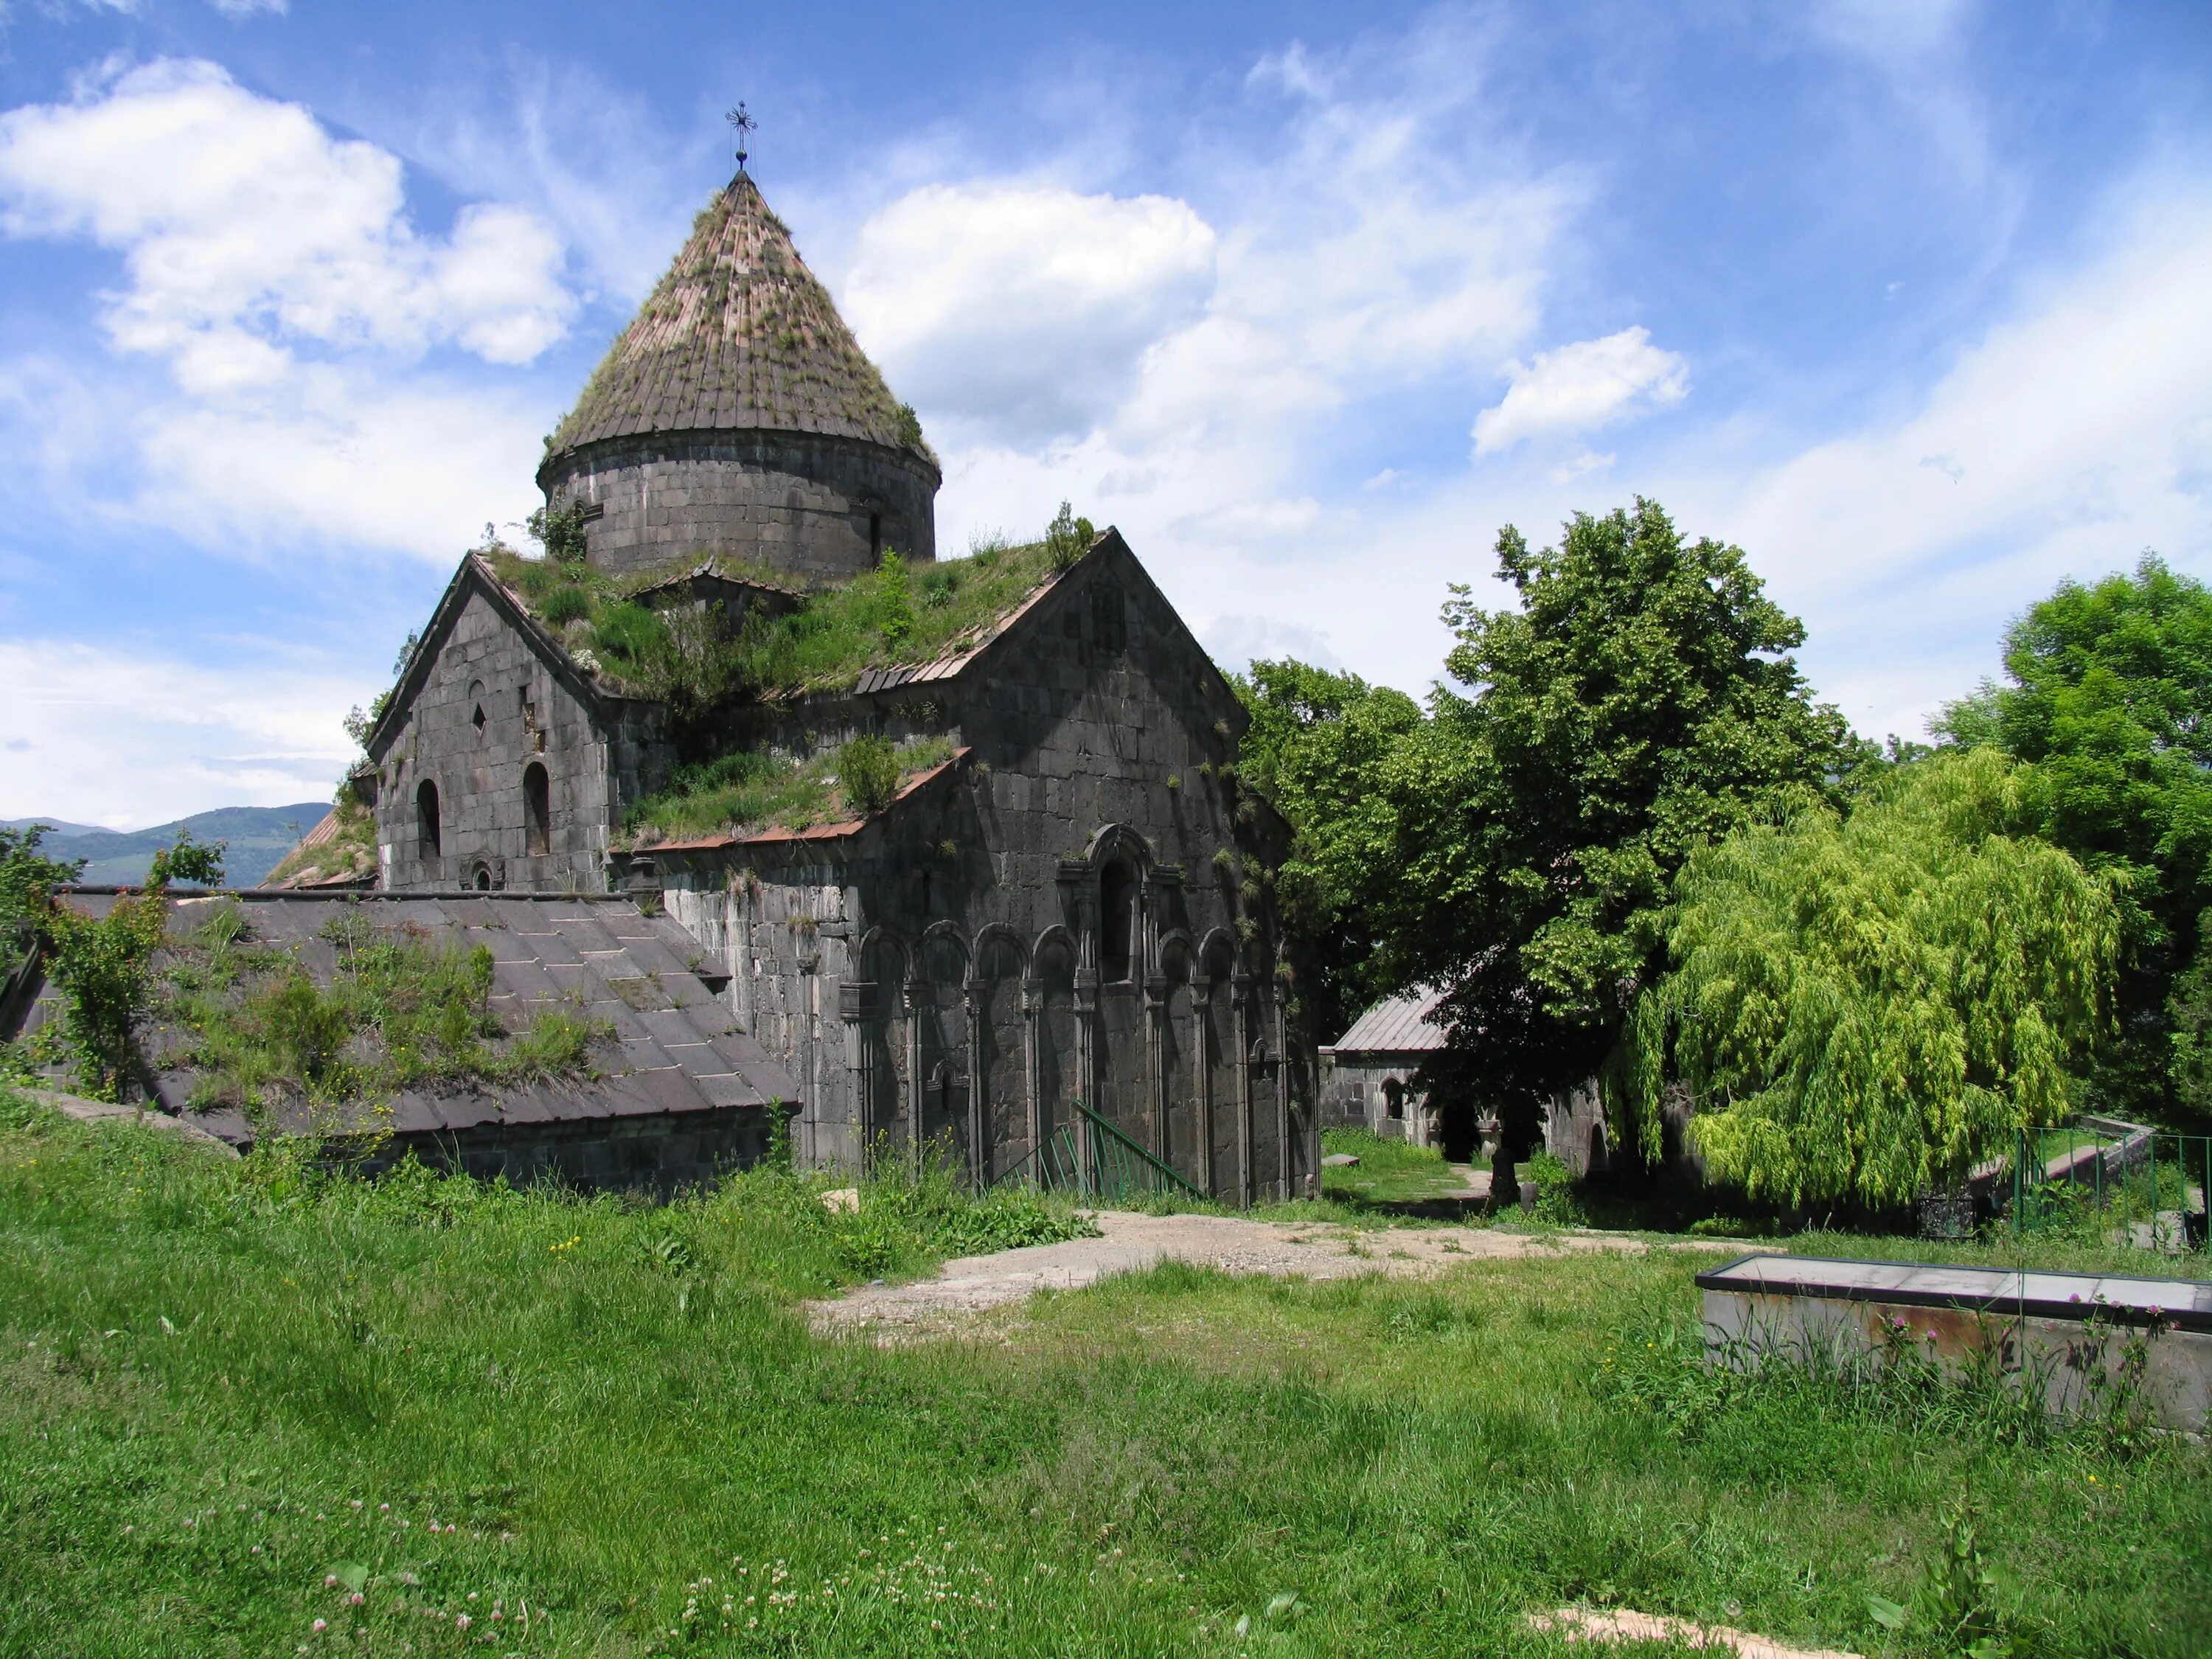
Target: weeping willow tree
x=1863 y=1007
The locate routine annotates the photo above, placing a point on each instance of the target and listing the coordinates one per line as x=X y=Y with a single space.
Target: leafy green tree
x=1314 y=746
x=27 y=880
x=1639 y=703
x=2108 y=696
x=1863 y=1007
x=104 y=966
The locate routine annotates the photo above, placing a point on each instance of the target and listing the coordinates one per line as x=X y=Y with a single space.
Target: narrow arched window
x=426 y=818
x=1117 y=922
x=536 y=810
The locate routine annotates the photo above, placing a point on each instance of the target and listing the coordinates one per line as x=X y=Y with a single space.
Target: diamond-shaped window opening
x=477 y=719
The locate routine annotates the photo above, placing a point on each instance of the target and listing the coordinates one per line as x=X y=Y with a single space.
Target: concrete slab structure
x=2080 y=1338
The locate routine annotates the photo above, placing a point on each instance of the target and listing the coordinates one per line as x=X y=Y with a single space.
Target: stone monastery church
x=1067 y=896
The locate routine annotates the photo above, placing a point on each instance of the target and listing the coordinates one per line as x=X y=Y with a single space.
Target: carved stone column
x=915 y=999
x=856 y=1007
x=1156 y=1055
x=972 y=992
x=1241 y=999
x=1033 y=1059
x=1201 y=1009
x=1086 y=1065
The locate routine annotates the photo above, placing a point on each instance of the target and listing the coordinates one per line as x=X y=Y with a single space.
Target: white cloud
x=2074 y=432
x=1581 y=387
x=248 y=231
x=1237 y=640
x=1377 y=252
x=1893 y=32
x=341 y=458
x=275 y=271
x=120 y=738
x=1023 y=310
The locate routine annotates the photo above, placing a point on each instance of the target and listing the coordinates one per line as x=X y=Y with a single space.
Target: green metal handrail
x=1104 y=1163
x=2120 y=1177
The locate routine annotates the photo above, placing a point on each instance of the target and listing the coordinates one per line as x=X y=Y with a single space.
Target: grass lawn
x=232 y=1402
x=1389 y=1171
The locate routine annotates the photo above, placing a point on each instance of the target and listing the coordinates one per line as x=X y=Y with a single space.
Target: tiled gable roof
x=1398 y=1026
x=675 y=1049
x=738 y=335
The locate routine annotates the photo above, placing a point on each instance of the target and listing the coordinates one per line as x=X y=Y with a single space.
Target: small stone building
x=1076 y=906
x=1370 y=1078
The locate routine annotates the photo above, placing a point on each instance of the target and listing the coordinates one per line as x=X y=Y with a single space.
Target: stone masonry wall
x=821 y=508
x=949 y=974
x=662 y=1156
x=485 y=666
x=1357 y=1092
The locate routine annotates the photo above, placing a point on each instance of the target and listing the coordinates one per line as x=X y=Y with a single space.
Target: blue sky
x=1910 y=301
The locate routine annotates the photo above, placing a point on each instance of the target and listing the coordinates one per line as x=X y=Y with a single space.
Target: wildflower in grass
x=318 y=1626
x=462 y=1621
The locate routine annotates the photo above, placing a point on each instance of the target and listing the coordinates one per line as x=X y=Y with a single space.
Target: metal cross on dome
x=745 y=123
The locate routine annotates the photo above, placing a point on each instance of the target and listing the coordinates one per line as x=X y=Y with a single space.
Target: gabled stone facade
x=499 y=763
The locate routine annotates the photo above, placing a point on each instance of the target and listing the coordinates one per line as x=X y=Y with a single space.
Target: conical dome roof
x=738 y=335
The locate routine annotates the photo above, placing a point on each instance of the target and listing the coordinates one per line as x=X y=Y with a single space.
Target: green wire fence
x=2122 y=1183
x=1089 y=1156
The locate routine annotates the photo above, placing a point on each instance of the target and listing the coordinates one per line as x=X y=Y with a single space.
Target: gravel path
x=1129 y=1243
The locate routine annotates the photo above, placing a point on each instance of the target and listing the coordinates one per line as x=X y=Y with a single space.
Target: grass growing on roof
x=898 y=613
x=350 y=852
x=745 y=793
x=238 y=1396
x=401 y=1008
x=901 y=613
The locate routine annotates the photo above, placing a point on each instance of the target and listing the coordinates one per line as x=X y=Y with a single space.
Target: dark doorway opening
x=1456 y=1131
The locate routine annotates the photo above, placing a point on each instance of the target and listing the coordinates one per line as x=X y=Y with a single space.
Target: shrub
x=868 y=769
x=564 y=604
x=1067 y=538
x=560 y=533
x=1555 y=1191
x=105 y=966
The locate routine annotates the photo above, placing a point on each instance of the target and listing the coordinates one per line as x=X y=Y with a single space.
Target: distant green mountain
x=254 y=838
